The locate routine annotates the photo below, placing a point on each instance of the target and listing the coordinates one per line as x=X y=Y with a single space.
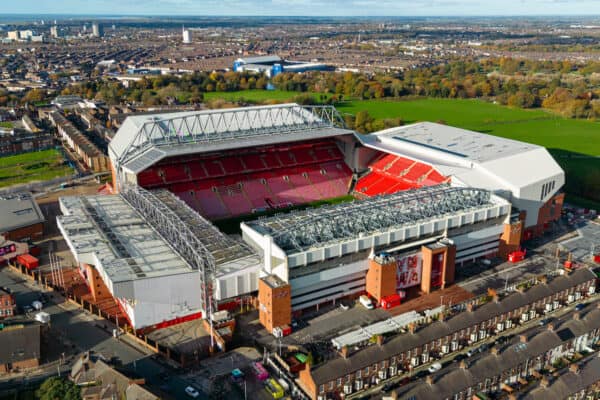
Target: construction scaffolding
x=179 y=236
x=302 y=230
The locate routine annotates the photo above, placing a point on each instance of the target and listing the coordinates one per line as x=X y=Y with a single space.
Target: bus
x=260 y=371
x=274 y=388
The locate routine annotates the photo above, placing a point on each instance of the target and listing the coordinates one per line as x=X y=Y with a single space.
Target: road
x=74 y=331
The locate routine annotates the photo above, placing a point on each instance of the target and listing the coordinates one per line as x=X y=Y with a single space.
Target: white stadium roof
x=477 y=160
x=144 y=140
x=105 y=231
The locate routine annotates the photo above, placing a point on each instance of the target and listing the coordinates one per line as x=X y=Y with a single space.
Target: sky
x=304 y=7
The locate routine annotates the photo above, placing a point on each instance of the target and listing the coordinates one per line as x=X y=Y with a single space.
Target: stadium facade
x=424 y=199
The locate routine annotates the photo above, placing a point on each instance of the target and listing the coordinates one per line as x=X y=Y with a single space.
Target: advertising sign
x=408 y=271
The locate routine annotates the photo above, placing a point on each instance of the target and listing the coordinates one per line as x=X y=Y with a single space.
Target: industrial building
x=427 y=198
x=20 y=217
x=274 y=65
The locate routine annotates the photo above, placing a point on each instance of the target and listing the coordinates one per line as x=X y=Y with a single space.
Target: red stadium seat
x=243 y=181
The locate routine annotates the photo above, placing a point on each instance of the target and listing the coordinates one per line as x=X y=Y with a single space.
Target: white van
x=366 y=302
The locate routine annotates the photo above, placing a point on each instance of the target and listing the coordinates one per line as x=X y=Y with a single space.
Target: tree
x=57 y=388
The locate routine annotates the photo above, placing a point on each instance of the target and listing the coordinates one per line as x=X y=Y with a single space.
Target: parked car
x=579 y=307
x=27 y=309
x=544 y=321
x=434 y=367
x=483 y=348
x=471 y=352
x=192 y=392
x=459 y=357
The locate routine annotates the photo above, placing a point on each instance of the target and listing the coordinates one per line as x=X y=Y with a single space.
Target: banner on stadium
x=408 y=271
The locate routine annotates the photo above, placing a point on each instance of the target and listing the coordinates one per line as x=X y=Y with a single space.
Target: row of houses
x=95 y=160
x=351 y=372
x=514 y=363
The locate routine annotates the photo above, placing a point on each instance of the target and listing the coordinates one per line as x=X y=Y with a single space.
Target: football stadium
x=414 y=203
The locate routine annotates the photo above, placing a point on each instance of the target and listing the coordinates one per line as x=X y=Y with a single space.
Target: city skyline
x=307 y=7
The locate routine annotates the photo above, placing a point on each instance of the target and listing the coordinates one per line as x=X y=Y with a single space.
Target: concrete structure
x=97 y=30
x=19 y=347
x=187 y=36
x=20 y=217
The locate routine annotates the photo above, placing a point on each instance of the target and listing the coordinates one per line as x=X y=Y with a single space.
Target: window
x=367 y=371
x=321 y=388
x=358 y=374
x=331 y=385
x=339 y=381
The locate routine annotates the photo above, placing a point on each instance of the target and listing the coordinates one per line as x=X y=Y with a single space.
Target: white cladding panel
x=165 y=298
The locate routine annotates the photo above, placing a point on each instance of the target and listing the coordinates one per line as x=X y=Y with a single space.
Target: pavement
x=586 y=241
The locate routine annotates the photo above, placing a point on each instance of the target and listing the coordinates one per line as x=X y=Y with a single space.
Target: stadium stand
x=245 y=181
x=389 y=173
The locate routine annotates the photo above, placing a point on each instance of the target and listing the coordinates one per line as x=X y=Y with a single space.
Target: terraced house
x=356 y=371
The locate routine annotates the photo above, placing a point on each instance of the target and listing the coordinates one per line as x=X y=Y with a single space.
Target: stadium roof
x=146 y=139
x=17 y=211
x=470 y=145
x=260 y=60
x=301 y=230
x=107 y=232
x=230 y=255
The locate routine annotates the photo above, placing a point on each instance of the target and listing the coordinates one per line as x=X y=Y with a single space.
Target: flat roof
x=104 y=230
x=458 y=142
x=18 y=210
x=301 y=230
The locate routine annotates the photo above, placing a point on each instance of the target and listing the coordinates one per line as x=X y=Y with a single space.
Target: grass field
x=35 y=166
x=6 y=124
x=254 y=95
x=534 y=126
x=575 y=144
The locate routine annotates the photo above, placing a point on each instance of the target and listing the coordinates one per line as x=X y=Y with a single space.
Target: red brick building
x=7 y=304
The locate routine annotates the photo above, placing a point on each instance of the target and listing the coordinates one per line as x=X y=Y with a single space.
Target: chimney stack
x=470 y=307
x=463 y=364
x=574 y=368
x=551 y=327
x=577 y=316
x=545 y=382
x=380 y=340
x=429 y=379
x=495 y=350
x=344 y=351
x=523 y=338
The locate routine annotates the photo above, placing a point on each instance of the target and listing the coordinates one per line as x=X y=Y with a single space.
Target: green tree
x=57 y=388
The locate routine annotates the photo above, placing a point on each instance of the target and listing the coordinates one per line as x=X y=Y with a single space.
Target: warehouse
x=20 y=217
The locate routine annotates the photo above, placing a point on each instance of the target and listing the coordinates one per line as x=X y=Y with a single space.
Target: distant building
x=66 y=102
x=20 y=217
x=274 y=65
x=21 y=141
x=97 y=30
x=187 y=36
x=13 y=35
x=25 y=35
x=19 y=347
x=54 y=32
